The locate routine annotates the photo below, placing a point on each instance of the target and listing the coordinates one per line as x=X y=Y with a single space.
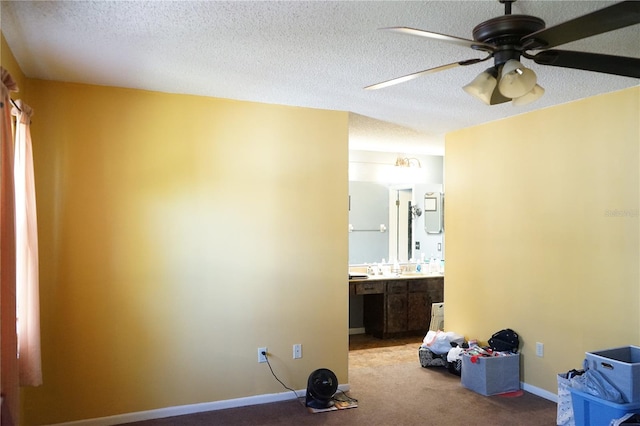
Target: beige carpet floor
x=366 y=351
x=392 y=390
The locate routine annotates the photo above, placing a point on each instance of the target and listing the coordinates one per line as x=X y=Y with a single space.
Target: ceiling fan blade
x=477 y=45
x=408 y=77
x=610 y=18
x=618 y=65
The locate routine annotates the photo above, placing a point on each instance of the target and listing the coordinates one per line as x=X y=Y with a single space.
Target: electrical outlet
x=297 y=351
x=417 y=245
x=539 y=349
x=261 y=357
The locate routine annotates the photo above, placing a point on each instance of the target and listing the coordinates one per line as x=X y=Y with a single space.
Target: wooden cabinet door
x=418 y=311
x=436 y=289
x=396 y=307
x=397 y=287
x=396 y=313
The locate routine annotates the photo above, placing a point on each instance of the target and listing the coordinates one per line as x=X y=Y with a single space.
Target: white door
x=399 y=238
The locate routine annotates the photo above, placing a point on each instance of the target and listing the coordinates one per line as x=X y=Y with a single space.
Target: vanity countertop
x=414 y=276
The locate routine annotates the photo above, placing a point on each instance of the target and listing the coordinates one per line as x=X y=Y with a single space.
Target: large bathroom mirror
x=386 y=208
x=368 y=222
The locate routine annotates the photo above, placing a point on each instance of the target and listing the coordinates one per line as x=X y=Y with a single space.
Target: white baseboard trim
x=356 y=331
x=542 y=393
x=191 y=409
x=233 y=403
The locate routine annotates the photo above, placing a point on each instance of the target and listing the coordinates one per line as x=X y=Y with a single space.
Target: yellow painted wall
x=542 y=231
x=177 y=235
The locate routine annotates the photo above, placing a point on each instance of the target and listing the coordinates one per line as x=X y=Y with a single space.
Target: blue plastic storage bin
x=589 y=410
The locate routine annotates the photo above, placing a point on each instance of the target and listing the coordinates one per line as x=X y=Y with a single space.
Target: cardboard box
x=491 y=375
x=589 y=410
x=621 y=367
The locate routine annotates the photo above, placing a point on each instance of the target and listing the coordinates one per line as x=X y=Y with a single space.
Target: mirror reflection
x=387 y=215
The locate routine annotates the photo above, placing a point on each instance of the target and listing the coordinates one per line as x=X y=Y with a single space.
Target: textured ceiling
x=316 y=54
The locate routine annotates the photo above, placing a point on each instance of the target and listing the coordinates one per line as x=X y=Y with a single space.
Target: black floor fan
x=321 y=387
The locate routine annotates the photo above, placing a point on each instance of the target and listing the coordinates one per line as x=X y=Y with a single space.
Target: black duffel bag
x=505 y=340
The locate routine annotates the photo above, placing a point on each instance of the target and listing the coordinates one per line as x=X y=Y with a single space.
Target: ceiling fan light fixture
x=533 y=95
x=483 y=85
x=516 y=80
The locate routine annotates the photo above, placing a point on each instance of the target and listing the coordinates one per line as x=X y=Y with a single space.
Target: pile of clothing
x=445 y=349
x=442 y=349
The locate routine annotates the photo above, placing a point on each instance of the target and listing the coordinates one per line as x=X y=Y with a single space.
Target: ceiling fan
x=508 y=37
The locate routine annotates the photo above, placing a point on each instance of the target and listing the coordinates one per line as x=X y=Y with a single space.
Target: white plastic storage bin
x=621 y=366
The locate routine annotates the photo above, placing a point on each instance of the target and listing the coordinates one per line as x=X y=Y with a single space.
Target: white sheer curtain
x=8 y=342
x=28 y=300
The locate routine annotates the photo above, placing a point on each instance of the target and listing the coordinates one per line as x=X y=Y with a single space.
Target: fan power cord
x=298 y=398
x=347 y=397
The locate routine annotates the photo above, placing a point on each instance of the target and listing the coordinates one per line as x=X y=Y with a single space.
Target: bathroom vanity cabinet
x=397 y=306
